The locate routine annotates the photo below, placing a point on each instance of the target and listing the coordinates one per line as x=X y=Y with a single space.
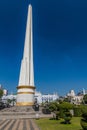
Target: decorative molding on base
x=25 y=92
x=24 y=104
x=21 y=87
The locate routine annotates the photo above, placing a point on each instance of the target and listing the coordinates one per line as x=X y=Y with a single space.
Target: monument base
x=25 y=95
x=24 y=104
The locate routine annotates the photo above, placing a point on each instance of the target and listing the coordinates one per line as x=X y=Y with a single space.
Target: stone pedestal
x=25 y=95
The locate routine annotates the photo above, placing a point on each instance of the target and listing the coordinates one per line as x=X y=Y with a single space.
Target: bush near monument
x=67 y=117
x=46 y=109
x=1 y=93
x=85 y=99
x=77 y=111
x=83 y=121
x=63 y=111
x=84 y=124
x=53 y=106
x=65 y=106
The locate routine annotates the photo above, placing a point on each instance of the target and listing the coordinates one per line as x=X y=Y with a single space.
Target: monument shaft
x=25 y=93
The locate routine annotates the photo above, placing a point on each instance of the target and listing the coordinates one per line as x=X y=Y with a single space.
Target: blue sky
x=60 y=43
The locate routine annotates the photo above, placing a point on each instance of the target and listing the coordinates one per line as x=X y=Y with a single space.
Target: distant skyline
x=60 y=44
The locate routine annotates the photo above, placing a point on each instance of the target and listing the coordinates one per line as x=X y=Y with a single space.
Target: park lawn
x=46 y=124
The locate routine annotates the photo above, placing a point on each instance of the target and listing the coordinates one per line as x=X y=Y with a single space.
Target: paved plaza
x=18 y=124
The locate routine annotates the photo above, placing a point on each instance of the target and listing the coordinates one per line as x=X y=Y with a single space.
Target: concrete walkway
x=18 y=124
x=20 y=118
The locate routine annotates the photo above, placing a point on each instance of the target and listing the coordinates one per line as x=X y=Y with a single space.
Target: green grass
x=46 y=124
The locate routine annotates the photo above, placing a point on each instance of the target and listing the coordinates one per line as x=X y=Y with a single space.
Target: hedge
x=77 y=112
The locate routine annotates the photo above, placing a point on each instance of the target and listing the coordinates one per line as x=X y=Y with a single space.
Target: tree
x=85 y=99
x=53 y=106
x=66 y=99
x=67 y=117
x=64 y=110
x=83 y=121
x=66 y=106
x=1 y=93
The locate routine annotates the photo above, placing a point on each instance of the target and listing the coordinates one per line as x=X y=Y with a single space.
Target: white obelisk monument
x=26 y=89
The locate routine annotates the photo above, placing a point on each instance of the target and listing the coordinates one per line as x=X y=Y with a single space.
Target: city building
x=76 y=98
x=39 y=97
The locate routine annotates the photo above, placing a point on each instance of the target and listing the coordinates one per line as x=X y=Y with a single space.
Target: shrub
x=53 y=106
x=67 y=117
x=84 y=108
x=67 y=120
x=85 y=98
x=57 y=115
x=66 y=106
x=84 y=115
x=61 y=113
x=46 y=111
x=1 y=93
x=84 y=120
x=77 y=111
x=83 y=124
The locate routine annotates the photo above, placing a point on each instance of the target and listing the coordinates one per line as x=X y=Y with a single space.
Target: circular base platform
x=24 y=104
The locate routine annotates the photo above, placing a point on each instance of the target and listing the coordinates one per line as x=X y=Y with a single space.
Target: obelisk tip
x=30 y=6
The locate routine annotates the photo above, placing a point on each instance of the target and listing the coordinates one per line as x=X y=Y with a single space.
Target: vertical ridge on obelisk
x=25 y=94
